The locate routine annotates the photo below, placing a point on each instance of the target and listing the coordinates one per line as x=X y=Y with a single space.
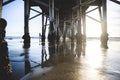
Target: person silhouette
x=5 y=65
x=3 y=24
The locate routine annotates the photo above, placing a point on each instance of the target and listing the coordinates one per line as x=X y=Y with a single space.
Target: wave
x=88 y=38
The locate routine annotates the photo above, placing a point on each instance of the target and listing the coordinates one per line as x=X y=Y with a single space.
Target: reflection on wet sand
x=26 y=55
x=5 y=66
x=61 y=53
x=65 y=61
x=71 y=61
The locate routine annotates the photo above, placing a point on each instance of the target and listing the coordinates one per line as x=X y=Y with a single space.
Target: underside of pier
x=62 y=17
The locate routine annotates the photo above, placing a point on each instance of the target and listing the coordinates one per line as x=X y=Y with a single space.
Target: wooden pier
x=63 y=16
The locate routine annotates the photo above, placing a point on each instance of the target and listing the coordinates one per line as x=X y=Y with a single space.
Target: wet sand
x=64 y=61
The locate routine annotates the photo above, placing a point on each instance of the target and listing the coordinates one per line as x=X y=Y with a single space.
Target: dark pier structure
x=64 y=15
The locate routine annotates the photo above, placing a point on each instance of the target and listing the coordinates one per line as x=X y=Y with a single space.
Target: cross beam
x=7 y=2
x=116 y=1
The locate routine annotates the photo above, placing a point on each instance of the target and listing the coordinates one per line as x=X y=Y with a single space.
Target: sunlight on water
x=93 y=55
x=93 y=62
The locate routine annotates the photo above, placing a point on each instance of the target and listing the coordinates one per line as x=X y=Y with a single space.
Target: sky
x=14 y=14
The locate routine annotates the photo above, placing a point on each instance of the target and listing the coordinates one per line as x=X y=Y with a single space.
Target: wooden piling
x=0 y=8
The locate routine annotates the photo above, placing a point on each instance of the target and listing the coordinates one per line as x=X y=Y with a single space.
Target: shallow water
x=88 y=62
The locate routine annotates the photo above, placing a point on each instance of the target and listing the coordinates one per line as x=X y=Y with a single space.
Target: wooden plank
x=0 y=8
x=116 y=1
x=7 y=2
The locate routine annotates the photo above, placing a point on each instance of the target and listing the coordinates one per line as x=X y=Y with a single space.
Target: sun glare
x=93 y=28
x=93 y=54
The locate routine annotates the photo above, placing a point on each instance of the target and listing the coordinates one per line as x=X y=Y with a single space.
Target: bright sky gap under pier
x=14 y=14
